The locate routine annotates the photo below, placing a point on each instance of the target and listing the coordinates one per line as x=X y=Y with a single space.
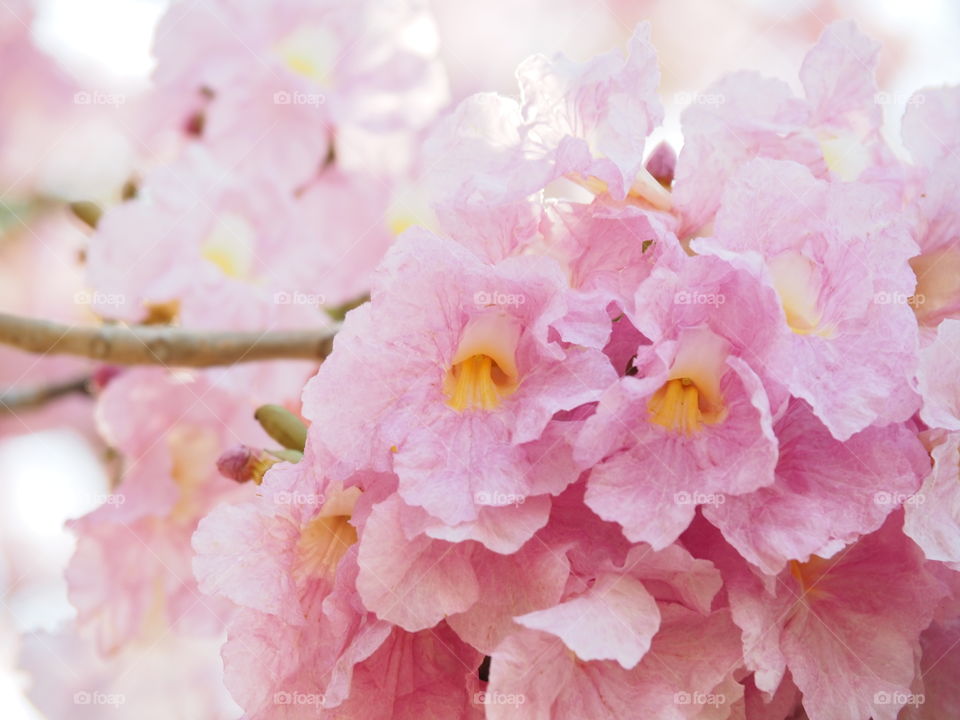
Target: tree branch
x=17 y=399
x=153 y=345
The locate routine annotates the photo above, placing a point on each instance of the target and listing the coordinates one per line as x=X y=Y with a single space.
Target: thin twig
x=19 y=399
x=153 y=345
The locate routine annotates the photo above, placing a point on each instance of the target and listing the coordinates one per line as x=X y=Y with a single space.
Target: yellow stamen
x=645 y=189
x=478 y=383
x=326 y=538
x=691 y=409
x=808 y=574
x=484 y=371
x=322 y=544
x=676 y=406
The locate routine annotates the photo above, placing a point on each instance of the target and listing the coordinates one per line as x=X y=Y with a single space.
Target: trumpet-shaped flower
x=694 y=423
x=837 y=255
x=450 y=378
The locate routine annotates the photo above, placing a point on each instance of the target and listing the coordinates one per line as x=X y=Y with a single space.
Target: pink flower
x=589 y=120
x=827 y=492
x=285 y=86
x=289 y=562
x=35 y=101
x=837 y=256
x=607 y=250
x=932 y=196
x=468 y=375
x=220 y=247
x=408 y=578
x=690 y=662
x=130 y=576
x=582 y=122
x=694 y=424
x=70 y=678
x=859 y=613
x=834 y=130
x=481 y=179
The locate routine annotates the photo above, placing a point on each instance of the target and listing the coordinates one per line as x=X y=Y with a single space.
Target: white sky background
x=48 y=478
x=107 y=39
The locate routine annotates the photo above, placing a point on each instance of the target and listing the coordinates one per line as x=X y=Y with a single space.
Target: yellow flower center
x=193 y=451
x=310 y=52
x=795 y=280
x=230 y=246
x=484 y=370
x=676 y=406
x=478 y=383
x=646 y=190
x=691 y=398
x=809 y=574
x=325 y=539
x=846 y=155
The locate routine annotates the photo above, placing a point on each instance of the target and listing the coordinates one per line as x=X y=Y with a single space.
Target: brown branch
x=153 y=345
x=18 y=399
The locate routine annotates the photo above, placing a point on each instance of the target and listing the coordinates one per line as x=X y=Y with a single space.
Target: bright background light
x=102 y=39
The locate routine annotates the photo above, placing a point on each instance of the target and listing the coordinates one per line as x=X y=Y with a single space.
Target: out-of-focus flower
x=130 y=578
x=278 y=91
x=834 y=130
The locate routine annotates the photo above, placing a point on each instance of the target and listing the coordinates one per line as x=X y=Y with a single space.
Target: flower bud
x=243 y=463
x=283 y=426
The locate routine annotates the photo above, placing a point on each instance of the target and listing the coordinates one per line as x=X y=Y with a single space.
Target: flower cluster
x=628 y=434
x=612 y=432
